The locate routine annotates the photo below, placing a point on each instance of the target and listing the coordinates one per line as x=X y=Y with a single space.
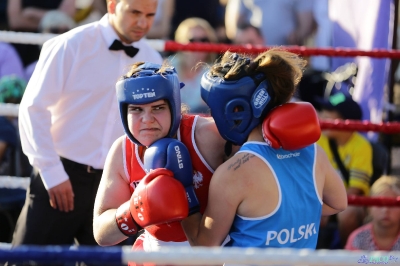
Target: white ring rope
x=25 y=37
x=258 y=256
x=13 y=182
x=198 y=255
x=9 y=109
x=40 y=38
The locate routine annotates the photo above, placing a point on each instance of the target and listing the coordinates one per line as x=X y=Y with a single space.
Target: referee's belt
x=86 y=167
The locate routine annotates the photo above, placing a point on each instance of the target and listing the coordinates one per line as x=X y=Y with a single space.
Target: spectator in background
x=3 y=15
x=162 y=21
x=186 y=63
x=383 y=231
x=11 y=90
x=88 y=11
x=353 y=160
x=10 y=62
x=25 y=16
x=12 y=161
x=248 y=34
x=100 y=6
x=56 y=22
x=315 y=78
x=210 y=10
x=322 y=37
x=293 y=18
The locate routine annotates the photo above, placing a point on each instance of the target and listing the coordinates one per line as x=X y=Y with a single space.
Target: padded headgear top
x=147 y=86
x=237 y=106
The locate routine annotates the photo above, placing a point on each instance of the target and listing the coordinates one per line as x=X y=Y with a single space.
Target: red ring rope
x=172 y=46
x=374 y=201
x=356 y=125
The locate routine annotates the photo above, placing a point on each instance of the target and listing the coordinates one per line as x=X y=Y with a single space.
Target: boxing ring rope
x=196 y=256
x=9 y=109
x=203 y=255
x=171 y=46
x=338 y=124
x=13 y=182
x=388 y=128
x=356 y=125
x=162 y=46
x=374 y=201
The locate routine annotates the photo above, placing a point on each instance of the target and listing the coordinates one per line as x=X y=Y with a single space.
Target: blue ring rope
x=62 y=254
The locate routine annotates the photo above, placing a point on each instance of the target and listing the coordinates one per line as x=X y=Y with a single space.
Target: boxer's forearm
x=191 y=227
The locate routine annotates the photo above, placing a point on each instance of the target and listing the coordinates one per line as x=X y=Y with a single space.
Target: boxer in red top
x=150 y=108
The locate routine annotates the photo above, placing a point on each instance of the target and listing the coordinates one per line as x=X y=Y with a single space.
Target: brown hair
x=281 y=68
x=134 y=68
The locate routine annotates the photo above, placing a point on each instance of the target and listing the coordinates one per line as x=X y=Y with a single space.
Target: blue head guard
x=147 y=86
x=237 y=106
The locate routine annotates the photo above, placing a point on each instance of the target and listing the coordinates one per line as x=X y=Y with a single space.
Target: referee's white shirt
x=69 y=108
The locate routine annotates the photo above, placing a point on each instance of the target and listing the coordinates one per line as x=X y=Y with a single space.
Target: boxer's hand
x=62 y=196
x=173 y=155
x=291 y=126
x=159 y=198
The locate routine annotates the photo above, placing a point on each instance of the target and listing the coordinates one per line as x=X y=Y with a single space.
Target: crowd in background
x=259 y=23
x=223 y=21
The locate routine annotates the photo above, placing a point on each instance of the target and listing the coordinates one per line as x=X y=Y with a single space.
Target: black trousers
x=40 y=224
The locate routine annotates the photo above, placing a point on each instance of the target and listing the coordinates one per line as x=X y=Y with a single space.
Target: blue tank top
x=295 y=221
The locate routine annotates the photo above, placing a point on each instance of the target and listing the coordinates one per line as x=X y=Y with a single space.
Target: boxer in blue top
x=266 y=195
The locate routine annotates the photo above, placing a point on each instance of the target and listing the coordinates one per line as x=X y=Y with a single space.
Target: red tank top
x=202 y=172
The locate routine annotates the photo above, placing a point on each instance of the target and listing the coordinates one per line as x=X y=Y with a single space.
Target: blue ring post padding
x=62 y=254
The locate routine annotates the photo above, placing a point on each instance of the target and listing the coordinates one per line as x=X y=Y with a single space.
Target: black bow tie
x=129 y=50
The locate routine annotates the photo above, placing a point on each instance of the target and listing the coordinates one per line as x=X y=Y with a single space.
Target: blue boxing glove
x=173 y=155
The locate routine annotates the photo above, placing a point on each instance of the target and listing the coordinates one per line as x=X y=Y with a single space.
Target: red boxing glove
x=159 y=198
x=124 y=220
x=291 y=126
x=168 y=232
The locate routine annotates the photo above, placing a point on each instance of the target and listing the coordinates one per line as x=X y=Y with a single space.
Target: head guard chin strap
x=147 y=86
x=237 y=106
